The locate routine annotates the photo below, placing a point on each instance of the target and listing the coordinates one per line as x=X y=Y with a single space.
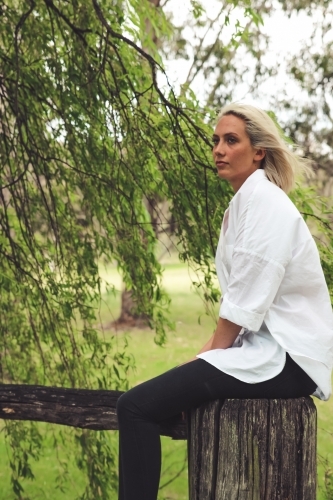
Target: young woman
x=274 y=336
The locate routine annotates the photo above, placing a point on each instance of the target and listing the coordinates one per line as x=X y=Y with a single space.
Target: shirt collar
x=250 y=183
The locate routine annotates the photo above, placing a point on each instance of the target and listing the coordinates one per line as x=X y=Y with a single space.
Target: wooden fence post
x=263 y=449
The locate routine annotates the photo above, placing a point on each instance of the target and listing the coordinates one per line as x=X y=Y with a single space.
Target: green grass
x=151 y=360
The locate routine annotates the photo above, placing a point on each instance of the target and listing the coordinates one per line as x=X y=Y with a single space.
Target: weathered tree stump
x=263 y=449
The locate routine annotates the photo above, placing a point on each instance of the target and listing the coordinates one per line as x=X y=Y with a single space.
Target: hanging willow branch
x=92 y=134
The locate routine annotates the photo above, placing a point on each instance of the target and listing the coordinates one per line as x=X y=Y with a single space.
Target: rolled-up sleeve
x=262 y=250
x=253 y=284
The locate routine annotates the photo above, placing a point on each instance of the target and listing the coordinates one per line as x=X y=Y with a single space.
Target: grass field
x=189 y=335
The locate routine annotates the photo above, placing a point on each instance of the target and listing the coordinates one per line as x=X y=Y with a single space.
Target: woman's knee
x=126 y=406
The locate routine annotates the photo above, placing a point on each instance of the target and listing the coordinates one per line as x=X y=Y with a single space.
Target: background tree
x=311 y=123
x=156 y=205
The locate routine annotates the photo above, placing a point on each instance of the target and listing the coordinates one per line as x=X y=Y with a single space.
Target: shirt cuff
x=247 y=319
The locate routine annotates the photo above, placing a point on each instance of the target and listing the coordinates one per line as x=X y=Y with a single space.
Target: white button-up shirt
x=273 y=286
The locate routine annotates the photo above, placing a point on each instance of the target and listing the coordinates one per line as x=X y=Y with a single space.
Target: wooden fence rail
x=84 y=408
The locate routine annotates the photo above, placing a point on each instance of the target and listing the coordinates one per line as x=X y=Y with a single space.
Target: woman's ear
x=260 y=155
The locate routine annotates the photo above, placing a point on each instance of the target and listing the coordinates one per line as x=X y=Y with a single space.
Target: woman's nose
x=219 y=149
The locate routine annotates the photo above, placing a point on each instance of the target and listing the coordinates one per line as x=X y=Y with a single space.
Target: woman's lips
x=220 y=163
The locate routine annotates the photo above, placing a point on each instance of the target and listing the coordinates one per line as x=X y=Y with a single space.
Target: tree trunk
x=253 y=450
x=127 y=317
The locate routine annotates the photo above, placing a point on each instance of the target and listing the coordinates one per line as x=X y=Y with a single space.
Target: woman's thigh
x=171 y=392
x=194 y=383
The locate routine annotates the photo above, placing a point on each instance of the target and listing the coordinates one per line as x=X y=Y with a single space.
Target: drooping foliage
x=90 y=130
x=87 y=134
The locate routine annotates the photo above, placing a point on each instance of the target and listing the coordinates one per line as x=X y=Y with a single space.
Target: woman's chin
x=222 y=174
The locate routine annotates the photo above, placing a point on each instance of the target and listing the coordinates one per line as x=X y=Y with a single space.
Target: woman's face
x=234 y=156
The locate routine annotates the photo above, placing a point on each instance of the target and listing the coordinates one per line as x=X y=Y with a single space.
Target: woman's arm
x=224 y=336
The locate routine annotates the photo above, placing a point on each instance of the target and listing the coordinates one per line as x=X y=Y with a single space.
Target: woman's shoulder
x=268 y=195
x=270 y=209
x=259 y=199
x=271 y=216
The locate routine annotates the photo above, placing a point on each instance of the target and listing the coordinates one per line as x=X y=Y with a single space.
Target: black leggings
x=141 y=409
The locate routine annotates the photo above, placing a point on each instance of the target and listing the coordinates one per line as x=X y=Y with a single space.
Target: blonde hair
x=280 y=163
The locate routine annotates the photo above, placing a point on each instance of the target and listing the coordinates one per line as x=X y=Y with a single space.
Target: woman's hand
x=224 y=336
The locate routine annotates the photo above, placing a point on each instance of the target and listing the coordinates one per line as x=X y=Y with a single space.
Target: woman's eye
x=231 y=140
x=215 y=141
